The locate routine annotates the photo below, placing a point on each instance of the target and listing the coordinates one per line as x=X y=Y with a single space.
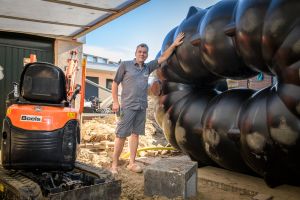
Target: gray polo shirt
x=134 y=81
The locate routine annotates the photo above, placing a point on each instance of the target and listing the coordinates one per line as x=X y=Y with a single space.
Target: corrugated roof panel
x=56 y=18
x=50 y=11
x=107 y=4
x=42 y=28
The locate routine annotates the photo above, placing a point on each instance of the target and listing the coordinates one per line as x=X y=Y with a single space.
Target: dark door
x=91 y=90
x=13 y=49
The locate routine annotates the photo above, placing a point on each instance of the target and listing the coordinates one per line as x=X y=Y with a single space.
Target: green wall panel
x=13 y=49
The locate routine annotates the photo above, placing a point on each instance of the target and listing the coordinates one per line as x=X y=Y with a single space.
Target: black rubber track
x=94 y=171
x=17 y=186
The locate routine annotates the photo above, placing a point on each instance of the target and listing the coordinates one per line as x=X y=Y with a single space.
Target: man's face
x=141 y=55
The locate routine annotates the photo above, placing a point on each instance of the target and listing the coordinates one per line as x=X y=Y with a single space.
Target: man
x=133 y=76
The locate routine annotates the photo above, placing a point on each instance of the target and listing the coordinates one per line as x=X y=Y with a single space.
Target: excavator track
x=14 y=186
x=95 y=183
x=94 y=171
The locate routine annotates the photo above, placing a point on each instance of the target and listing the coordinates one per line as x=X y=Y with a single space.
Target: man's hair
x=142 y=45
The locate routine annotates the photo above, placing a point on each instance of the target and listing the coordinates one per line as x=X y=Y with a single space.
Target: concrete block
x=171 y=178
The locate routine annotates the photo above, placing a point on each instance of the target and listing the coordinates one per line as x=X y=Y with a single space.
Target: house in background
x=102 y=72
x=257 y=82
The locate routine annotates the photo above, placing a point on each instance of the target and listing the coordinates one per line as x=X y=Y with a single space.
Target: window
x=109 y=83
x=89 y=58
x=101 y=60
x=91 y=90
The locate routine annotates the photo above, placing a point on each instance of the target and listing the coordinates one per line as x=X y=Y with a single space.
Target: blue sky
x=148 y=24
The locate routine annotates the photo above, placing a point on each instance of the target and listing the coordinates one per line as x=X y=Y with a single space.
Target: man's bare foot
x=135 y=168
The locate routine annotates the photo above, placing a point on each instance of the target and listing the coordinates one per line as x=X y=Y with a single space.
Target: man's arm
x=114 y=92
x=178 y=41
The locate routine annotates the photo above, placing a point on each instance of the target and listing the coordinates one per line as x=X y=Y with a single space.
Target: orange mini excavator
x=40 y=129
x=39 y=141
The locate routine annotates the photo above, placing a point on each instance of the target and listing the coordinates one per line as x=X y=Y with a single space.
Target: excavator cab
x=41 y=128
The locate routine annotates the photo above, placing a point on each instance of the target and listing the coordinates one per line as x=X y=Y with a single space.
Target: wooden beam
x=82 y=6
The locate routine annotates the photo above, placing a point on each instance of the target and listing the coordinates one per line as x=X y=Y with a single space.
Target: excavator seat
x=44 y=83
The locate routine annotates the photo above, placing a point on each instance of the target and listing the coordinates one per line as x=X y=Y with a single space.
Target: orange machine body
x=37 y=118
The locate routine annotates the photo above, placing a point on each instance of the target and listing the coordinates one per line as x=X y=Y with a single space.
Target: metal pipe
x=96 y=85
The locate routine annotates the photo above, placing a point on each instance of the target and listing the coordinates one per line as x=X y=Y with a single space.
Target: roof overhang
x=61 y=18
x=101 y=67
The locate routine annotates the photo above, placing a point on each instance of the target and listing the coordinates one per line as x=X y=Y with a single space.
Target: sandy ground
x=97 y=147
